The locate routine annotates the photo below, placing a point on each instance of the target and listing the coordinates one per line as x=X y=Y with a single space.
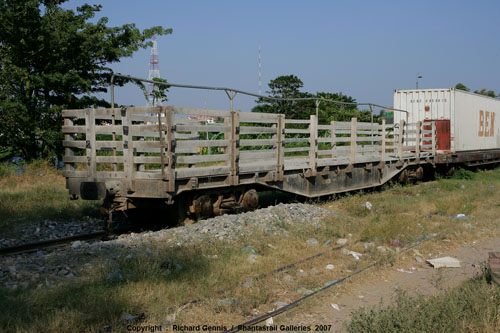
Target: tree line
x=483 y=91
x=333 y=106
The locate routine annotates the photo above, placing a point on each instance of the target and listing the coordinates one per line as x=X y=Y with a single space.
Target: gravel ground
x=48 y=229
x=52 y=266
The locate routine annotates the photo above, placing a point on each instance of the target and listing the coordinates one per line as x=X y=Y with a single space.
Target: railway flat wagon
x=200 y=163
x=467 y=125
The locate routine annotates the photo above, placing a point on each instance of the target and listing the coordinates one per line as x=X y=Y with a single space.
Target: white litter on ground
x=444 y=262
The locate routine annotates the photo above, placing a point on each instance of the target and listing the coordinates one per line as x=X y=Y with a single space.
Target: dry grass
x=34 y=192
x=472 y=307
x=161 y=281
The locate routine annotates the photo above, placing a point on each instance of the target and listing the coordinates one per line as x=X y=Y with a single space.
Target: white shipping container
x=474 y=119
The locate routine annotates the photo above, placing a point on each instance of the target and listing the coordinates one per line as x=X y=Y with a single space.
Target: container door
x=443 y=134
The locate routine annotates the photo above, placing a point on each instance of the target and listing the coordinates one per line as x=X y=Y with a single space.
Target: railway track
x=49 y=243
x=244 y=326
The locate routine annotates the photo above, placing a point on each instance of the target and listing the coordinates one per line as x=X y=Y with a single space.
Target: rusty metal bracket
x=348 y=169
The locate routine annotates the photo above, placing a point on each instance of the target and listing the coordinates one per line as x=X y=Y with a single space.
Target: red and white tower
x=154 y=72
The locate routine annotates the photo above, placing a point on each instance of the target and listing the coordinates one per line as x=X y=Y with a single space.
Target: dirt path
x=380 y=285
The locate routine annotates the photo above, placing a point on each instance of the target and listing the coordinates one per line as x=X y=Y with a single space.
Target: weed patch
x=472 y=307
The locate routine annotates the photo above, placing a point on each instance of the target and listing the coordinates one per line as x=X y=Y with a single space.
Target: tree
x=159 y=93
x=343 y=110
x=461 y=86
x=288 y=86
x=485 y=92
x=284 y=86
x=53 y=58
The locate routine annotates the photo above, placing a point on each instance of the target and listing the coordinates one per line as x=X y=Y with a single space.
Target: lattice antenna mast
x=259 y=64
x=154 y=72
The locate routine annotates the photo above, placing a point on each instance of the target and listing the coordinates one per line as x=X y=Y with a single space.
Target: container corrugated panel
x=473 y=118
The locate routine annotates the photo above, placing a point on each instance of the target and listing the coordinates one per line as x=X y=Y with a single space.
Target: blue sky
x=365 y=49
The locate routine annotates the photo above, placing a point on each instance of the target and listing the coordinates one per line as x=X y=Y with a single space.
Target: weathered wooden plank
x=339 y=125
x=74 y=129
x=400 y=137
x=107 y=175
x=342 y=131
x=68 y=151
x=109 y=159
x=75 y=159
x=187 y=136
x=149 y=150
x=333 y=138
x=344 y=150
x=419 y=126
x=169 y=141
x=193 y=159
x=202 y=128
x=149 y=174
x=180 y=144
x=292 y=140
x=258 y=117
x=369 y=139
x=296 y=121
x=74 y=144
x=256 y=167
x=296 y=163
x=188 y=149
x=90 y=136
x=280 y=153
x=128 y=167
x=187 y=121
x=366 y=126
x=313 y=143
x=296 y=149
x=202 y=171
x=108 y=114
x=149 y=159
x=147 y=144
x=259 y=154
x=367 y=132
x=147 y=110
x=383 y=142
x=234 y=149
x=109 y=145
x=108 y=129
x=257 y=142
x=296 y=131
x=257 y=130
x=354 y=124
x=200 y=112
x=138 y=129
x=78 y=113
x=324 y=127
x=337 y=139
x=145 y=118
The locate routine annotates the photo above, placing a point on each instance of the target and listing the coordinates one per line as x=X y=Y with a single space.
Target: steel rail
x=29 y=247
x=274 y=271
x=261 y=318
